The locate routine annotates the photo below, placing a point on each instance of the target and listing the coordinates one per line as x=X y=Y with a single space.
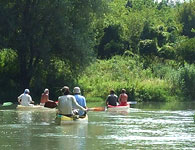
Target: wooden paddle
x=96 y=109
x=132 y=102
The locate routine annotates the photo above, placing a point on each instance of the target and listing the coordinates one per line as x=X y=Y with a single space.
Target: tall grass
x=125 y=72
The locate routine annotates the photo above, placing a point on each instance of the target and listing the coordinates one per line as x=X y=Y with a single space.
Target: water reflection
x=24 y=116
x=145 y=129
x=36 y=117
x=73 y=136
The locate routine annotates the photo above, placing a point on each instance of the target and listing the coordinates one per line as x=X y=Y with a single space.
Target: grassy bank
x=144 y=80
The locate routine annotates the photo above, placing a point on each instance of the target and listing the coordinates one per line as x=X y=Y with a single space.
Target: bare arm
x=19 y=99
x=119 y=99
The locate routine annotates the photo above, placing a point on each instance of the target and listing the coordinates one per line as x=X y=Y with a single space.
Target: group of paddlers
x=68 y=105
x=114 y=100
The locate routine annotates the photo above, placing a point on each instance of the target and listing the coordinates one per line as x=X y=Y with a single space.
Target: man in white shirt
x=25 y=99
x=66 y=102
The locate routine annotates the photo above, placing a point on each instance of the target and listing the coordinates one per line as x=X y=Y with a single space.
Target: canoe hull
x=63 y=120
x=118 y=108
x=33 y=107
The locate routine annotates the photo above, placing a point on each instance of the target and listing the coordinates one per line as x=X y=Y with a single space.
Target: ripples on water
x=149 y=130
x=136 y=129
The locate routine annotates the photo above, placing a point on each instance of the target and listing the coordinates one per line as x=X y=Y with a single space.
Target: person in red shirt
x=123 y=97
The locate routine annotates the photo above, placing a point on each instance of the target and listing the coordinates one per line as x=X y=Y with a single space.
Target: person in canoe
x=112 y=99
x=123 y=97
x=80 y=100
x=25 y=99
x=45 y=100
x=66 y=102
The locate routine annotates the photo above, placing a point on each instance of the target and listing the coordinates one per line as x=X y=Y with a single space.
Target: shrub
x=186 y=81
x=9 y=74
x=124 y=72
x=186 y=50
x=153 y=90
x=167 y=52
x=147 y=47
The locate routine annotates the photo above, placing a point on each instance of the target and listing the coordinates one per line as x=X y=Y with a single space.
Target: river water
x=144 y=127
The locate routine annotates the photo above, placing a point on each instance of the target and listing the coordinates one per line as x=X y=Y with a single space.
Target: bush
x=167 y=52
x=186 y=81
x=9 y=75
x=153 y=90
x=124 y=72
x=147 y=47
x=186 y=50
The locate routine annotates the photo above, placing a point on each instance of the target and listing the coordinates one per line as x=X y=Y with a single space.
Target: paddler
x=80 y=100
x=123 y=97
x=45 y=97
x=112 y=99
x=66 y=102
x=25 y=99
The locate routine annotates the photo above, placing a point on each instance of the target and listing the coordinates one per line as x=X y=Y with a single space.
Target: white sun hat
x=76 y=90
x=26 y=91
x=46 y=90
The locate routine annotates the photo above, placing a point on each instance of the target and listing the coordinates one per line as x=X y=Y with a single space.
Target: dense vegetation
x=146 y=47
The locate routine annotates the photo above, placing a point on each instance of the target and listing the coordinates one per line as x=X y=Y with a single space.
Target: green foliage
x=140 y=20
x=39 y=30
x=167 y=52
x=124 y=72
x=147 y=47
x=8 y=59
x=194 y=118
x=153 y=90
x=186 y=50
x=148 y=31
x=8 y=74
x=54 y=76
x=186 y=16
x=53 y=41
x=110 y=44
x=187 y=81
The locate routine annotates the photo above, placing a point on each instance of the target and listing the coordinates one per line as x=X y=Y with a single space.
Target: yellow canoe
x=62 y=120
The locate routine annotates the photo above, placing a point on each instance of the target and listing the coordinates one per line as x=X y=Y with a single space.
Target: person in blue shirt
x=80 y=100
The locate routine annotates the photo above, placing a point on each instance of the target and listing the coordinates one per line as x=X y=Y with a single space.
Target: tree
x=186 y=16
x=8 y=74
x=110 y=44
x=186 y=50
x=40 y=30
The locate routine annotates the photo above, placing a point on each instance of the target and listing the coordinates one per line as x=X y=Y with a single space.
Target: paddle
x=132 y=102
x=96 y=109
x=7 y=103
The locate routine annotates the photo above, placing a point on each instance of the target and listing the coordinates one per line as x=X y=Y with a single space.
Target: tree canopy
x=50 y=43
x=43 y=31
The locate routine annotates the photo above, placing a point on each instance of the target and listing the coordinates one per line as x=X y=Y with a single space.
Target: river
x=145 y=127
